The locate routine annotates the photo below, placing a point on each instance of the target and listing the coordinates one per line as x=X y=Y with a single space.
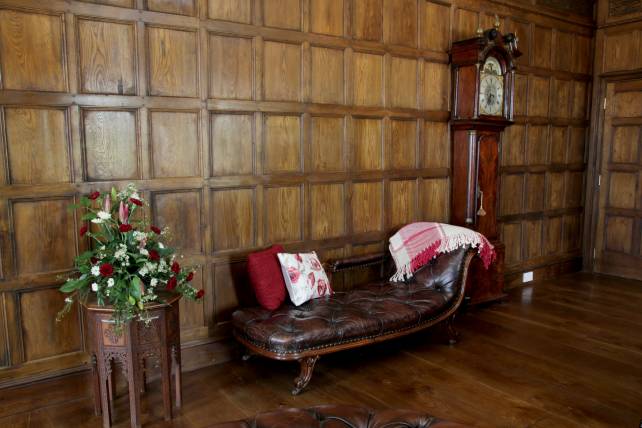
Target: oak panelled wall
x=320 y=124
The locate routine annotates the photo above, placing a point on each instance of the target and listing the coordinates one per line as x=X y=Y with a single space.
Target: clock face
x=491 y=88
x=491 y=95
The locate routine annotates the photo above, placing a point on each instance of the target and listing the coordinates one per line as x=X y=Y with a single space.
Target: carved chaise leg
x=452 y=333
x=307 y=366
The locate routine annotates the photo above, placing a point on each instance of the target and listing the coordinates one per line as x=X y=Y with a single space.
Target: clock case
x=476 y=140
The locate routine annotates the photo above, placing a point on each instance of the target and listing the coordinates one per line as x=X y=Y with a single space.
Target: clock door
x=487 y=181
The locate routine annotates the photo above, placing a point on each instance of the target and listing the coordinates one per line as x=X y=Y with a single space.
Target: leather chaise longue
x=366 y=314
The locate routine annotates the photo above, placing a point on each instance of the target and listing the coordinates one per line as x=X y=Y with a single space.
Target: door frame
x=594 y=161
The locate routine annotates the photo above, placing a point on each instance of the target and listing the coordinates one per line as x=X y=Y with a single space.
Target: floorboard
x=561 y=353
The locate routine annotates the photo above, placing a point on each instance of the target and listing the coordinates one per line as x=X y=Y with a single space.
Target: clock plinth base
x=486 y=285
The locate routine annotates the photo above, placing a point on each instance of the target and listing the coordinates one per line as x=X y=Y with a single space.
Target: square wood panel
x=580 y=100
x=282 y=13
x=402 y=153
x=232 y=144
x=175 y=143
x=574 y=189
x=535 y=185
x=368 y=79
x=41 y=336
x=230 y=10
x=283 y=214
x=231 y=290
x=436 y=85
x=466 y=24
x=326 y=17
x=538 y=96
x=32 y=51
x=37 y=145
x=367 y=140
x=107 y=57
x=403 y=201
x=400 y=22
x=282 y=144
x=435 y=199
x=434 y=26
x=511 y=236
x=327 y=213
x=230 y=67
x=178 y=7
x=622 y=190
x=436 y=150
x=327 y=75
x=572 y=237
x=618 y=234
x=403 y=82
x=564 y=52
x=45 y=235
x=111 y=151
x=327 y=144
x=555 y=190
x=625 y=144
x=576 y=145
x=520 y=94
x=513 y=145
x=367 y=20
x=621 y=51
x=532 y=239
x=192 y=316
x=233 y=218
x=172 y=62
x=181 y=212
x=281 y=71
x=537 y=145
x=552 y=234
x=367 y=207
x=561 y=98
x=543 y=48
x=512 y=190
x=559 y=144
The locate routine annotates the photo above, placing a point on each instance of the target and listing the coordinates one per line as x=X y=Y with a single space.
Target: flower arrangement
x=128 y=264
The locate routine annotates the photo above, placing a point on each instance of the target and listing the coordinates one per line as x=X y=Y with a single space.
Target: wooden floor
x=562 y=353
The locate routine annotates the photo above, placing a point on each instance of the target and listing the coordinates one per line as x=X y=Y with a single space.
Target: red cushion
x=266 y=277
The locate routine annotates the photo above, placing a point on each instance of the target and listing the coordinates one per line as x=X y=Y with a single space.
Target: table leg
x=166 y=378
x=96 y=381
x=176 y=357
x=134 y=389
x=104 y=393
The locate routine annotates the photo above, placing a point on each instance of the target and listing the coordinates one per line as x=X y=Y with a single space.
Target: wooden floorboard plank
x=560 y=353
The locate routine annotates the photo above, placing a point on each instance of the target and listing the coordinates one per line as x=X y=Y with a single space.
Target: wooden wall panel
x=107 y=57
x=110 y=145
x=32 y=51
x=321 y=125
x=37 y=145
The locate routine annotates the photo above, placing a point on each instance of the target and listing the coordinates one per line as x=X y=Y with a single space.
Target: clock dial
x=491 y=95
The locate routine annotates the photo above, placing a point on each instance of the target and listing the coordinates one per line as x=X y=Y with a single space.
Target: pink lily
x=107 y=204
x=123 y=212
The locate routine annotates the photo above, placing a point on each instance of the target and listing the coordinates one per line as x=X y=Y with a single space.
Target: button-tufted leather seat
x=365 y=314
x=332 y=416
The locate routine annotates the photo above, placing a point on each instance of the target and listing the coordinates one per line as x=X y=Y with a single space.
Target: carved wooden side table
x=138 y=345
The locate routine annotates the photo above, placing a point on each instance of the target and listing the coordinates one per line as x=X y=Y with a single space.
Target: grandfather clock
x=483 y=80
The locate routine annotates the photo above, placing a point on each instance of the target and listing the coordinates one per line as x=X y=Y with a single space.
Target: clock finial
x=497 y=22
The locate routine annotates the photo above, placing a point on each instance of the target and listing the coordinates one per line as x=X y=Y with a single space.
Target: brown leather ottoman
x=337 y=416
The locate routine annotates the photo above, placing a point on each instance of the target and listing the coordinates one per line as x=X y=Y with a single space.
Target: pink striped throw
x=416 y=244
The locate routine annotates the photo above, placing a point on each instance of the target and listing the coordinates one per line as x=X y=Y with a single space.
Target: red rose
x=125 y=228
x=83 y=230
x=94 y=195
x=176 y=268
x=155 y=229
x=93 y=260
x=190 y=276
x=136 y=201
x=106 y=269
x=200 y=293
x=171 y=284
x=153 y=255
